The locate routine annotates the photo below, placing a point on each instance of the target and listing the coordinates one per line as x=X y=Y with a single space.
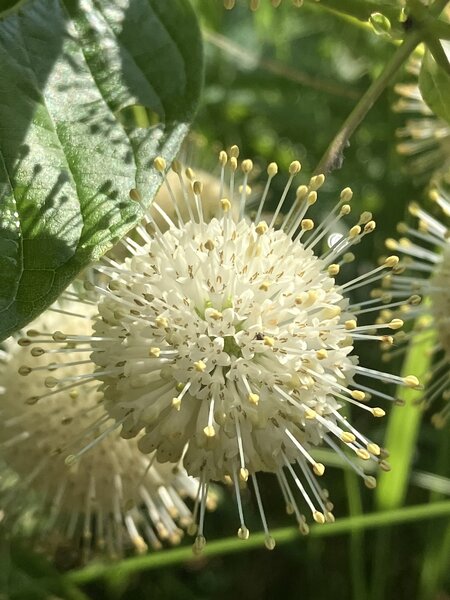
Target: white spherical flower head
x=426 y=271
x=112 y=498
x=228 y=343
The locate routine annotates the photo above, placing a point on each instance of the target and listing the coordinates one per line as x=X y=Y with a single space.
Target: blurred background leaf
x=434 y=84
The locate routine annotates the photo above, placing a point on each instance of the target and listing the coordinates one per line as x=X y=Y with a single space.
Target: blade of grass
x=437 y=548
x=403 y=427
x=400 y=440
x=282 y=536
x=357 y=547
x=435 y=565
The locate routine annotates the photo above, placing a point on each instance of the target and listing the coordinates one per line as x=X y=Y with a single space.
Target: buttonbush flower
x=425 y=138
x=109 y=500
x=426 y=250
x=229 y=344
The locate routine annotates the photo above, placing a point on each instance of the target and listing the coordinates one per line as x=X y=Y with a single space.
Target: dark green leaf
x=434 y=83
x=25 y=575
x=69 y=70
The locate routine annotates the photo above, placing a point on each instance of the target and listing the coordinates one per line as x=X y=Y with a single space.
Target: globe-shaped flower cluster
x=110 y=499
x=228 y=343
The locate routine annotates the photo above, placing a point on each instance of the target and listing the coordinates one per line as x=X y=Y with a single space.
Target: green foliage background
x=324 y=63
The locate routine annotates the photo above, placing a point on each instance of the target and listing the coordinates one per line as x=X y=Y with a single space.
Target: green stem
x=383 y=564
x=333 y=157
x=246 y=57
x=12 y=8
x=437 y=7
x=357 y=546
x=359 y=9
x=433 y=29
x=434 y=10
x=437 y=548
x=439 y=30
x=282 y=536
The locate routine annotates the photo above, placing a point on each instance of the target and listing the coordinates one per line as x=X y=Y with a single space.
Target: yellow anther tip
x=374 y=449
x=395 y=324
x=378 y=412
x=312 y=198
x=347 y=437
x=50 y=382
x=226 y=204
x=247 y=165
x=70 y=460
x=316 y=182
x=269 y=341
x=333 y=269
x=307 y=224
x=354 y=231
x=301 y=192
x=253 y=398
x=243 y=474
x=391 y=261
x=209 y=431
x=272 y=169
x=261 y=228
x=370 y=482
x=411 y=381
x=200 y=366
x=234 y=151
x=391 y=244
x=223 y=157
x=346 y=194
x=199 y=544
x=135 y=195
x=319 y=517
x=295 y=167
x=310 y=413
x=269 y=542
x=160 y=164
x=161 y=322
x=363 y=454
x=197 y=187
x=370 y=226
x=319 y=469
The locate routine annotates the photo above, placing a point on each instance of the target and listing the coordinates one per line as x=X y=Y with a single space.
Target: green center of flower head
x=231 y=347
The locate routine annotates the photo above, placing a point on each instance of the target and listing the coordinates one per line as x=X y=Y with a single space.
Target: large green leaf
x=68 y=69
x=434 y=83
